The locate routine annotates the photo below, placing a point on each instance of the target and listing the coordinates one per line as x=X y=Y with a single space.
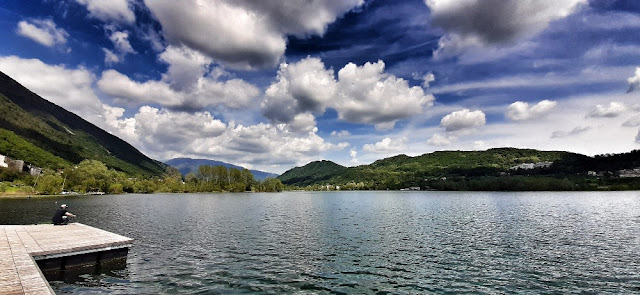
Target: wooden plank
x=31 y=278
x=9 y=279
x=27 y=240
x=19 y=244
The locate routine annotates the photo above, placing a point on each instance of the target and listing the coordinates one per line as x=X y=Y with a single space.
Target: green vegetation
x=16 y=147
x=91 y=176
x=221 y=178
x=311 y=173
x=471 y=170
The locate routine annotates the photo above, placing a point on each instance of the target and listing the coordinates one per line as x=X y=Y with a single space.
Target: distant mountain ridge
x=186 y=165
x=46 y=135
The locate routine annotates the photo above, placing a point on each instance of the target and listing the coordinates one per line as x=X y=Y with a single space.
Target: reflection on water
x=360 y=242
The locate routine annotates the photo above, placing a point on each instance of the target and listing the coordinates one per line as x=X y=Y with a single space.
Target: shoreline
x=22 y=195
x=4 y=195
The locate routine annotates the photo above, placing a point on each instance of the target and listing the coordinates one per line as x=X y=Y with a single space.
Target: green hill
x=403 y=171
x=50 y=136
x=314 y=172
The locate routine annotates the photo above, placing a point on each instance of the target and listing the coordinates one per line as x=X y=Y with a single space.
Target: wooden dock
x=22 y=245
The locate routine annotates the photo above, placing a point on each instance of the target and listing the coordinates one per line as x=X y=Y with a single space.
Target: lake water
x=359 y=242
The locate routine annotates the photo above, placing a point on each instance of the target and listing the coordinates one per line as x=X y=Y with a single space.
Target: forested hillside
x=52 y=137
x=314 y=172
x=472 y=170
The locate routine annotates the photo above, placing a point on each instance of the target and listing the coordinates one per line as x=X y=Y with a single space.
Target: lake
x=359 y=242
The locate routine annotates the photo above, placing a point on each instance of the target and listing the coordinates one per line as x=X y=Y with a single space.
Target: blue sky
x=275 y=84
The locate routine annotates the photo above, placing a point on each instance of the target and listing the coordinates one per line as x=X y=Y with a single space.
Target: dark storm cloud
x=497 y=21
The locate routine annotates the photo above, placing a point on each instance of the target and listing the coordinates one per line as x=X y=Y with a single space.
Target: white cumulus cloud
x=439 y=140
x=244 y=34
x=160 y=130
x=369 y=95
x=354 y=156
x=121 y=41
x=121 y=45
x=43 y=31
x=362 y=94
x=426 y=78
x=119 y=11
x=520 y=111
x=612 y=110
x=233 y=93
x=302 y=123
x=188 y=84
x=463 y=120
x=341 y=133
x=110 y=57
x=305 y=86
x=634 y=81
x=186 y=67
x=386 y=146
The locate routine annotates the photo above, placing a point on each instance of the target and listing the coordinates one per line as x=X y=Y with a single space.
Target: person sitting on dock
x=62 y=216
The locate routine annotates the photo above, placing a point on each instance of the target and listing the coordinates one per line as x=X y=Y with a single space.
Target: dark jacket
x=57 y=218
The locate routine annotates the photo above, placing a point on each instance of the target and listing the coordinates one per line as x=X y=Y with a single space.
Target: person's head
x=63 y=206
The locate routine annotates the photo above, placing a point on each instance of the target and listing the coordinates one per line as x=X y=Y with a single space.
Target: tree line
x=94 y=176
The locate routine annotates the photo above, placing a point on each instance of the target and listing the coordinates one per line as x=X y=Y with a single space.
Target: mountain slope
x=314 y=172
x=64 y=134
x=186 y=165
x=403 y=171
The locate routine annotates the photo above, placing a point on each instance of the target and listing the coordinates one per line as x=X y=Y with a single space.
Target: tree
x=50 y=183
x=173 y=180
x=191 y=177
x=89 y=175
x=271 y=185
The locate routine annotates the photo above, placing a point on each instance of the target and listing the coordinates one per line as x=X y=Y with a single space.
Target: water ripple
x=364 y=243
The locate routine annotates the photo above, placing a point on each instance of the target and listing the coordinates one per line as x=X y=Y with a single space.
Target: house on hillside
x=628 y=173
x=523 y=166
x=33 y=170
x=17 y=165
x=542 y=164
x=530 y=166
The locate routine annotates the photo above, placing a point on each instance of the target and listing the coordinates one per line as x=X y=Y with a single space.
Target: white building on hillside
x=530 y=166
x=2 y=163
